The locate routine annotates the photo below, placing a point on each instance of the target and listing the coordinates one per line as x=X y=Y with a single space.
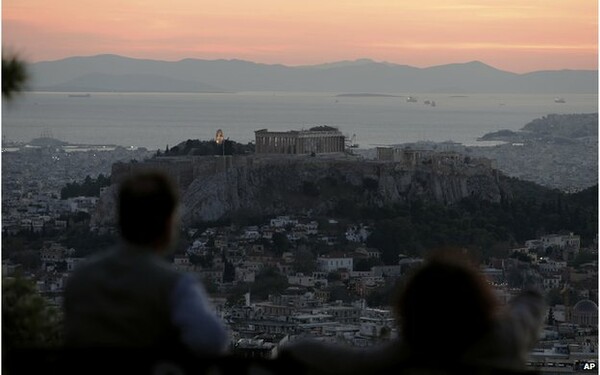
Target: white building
x=387 y=270
x=335 y=264
x=552 y=282
x=549 y=266
x=561 y=241
x=358 y=233
x=282 y=221
x=306 y=280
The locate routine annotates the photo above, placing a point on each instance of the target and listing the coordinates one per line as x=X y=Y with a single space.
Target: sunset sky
x=514 y=35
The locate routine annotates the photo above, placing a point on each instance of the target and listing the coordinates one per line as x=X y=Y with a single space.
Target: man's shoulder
x=93 y=263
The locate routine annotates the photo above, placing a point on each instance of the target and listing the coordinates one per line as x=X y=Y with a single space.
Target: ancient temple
x=320 y=139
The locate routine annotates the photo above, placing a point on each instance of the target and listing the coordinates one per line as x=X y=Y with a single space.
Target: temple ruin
x=318 y=140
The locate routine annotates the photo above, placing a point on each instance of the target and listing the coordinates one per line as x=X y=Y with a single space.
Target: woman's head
x=445 y=305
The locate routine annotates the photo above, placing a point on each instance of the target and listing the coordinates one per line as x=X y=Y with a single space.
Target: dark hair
x=147 y=201
x=446 y=303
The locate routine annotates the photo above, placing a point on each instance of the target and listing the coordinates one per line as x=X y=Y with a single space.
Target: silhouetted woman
x=450 y=322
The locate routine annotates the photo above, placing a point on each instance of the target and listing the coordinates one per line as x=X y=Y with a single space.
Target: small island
x=367 y=95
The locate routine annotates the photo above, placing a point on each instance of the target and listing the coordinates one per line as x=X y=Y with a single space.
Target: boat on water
x=411 y=99
x=559 y=100
x=79 y=95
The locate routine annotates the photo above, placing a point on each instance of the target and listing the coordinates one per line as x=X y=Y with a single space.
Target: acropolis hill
x=221 y=187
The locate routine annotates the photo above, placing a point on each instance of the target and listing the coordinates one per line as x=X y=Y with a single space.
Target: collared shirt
x=201 y=330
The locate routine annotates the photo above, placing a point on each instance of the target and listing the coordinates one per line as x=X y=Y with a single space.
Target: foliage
x=370 y=184
x=550 y=317
x=584 y=257
x=366 y=264
x=228 y=271
x=14 y=76
x=268 y=281
x=205 y=261
x=565 y=125
x=486 y=227
x=334 y=276
x=382 y=297
x=198 y=147
x=554 y=297
x=28 y=259
x=520 y=256
x=305 y=262
x=341 y=293
x=310 y=189
x=281 y=243
x=88 y=188
x=210 y=286
x=27 y=320
x=559 y=297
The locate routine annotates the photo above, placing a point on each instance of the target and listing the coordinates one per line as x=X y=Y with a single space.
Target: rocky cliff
x=304 y=185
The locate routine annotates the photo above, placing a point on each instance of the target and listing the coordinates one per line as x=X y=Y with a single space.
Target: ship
x=559 y=100
x=411 y=99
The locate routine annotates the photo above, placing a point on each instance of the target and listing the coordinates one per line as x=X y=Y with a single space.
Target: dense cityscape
x=282 y=278
x=300 y=188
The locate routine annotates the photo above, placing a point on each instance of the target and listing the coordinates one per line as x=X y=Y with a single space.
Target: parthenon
x=321 y=139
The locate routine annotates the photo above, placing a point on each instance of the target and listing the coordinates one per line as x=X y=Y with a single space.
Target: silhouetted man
x=131 y=297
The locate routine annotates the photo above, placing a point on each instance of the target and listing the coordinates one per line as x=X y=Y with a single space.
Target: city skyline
x=513 y=36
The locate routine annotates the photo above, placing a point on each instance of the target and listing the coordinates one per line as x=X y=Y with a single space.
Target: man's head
x=147 y=206
x=445 y=303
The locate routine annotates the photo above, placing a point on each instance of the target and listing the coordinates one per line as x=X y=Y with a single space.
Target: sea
x=155 y=120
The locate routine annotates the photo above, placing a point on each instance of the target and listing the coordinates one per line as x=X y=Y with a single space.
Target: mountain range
x=113 y=73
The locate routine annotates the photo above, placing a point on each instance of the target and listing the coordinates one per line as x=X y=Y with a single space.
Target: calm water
x=155 y=120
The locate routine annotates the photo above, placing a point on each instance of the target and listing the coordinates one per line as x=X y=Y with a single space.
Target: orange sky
x=514 y=35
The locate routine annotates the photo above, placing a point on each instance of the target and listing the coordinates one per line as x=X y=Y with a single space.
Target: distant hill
x=551 y=128
x=117 y=73
x=99 y=82
x=47 y=142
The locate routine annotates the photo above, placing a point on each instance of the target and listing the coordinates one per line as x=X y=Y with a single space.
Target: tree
x=366 y=264
x=14 y=76
x=205 y=261
x=550 y=317
x=334 y=276
x=340 y=292
x=228 y=271
x=27 y=319
x=268 y=281
x=281 y=243
x=305 y=262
